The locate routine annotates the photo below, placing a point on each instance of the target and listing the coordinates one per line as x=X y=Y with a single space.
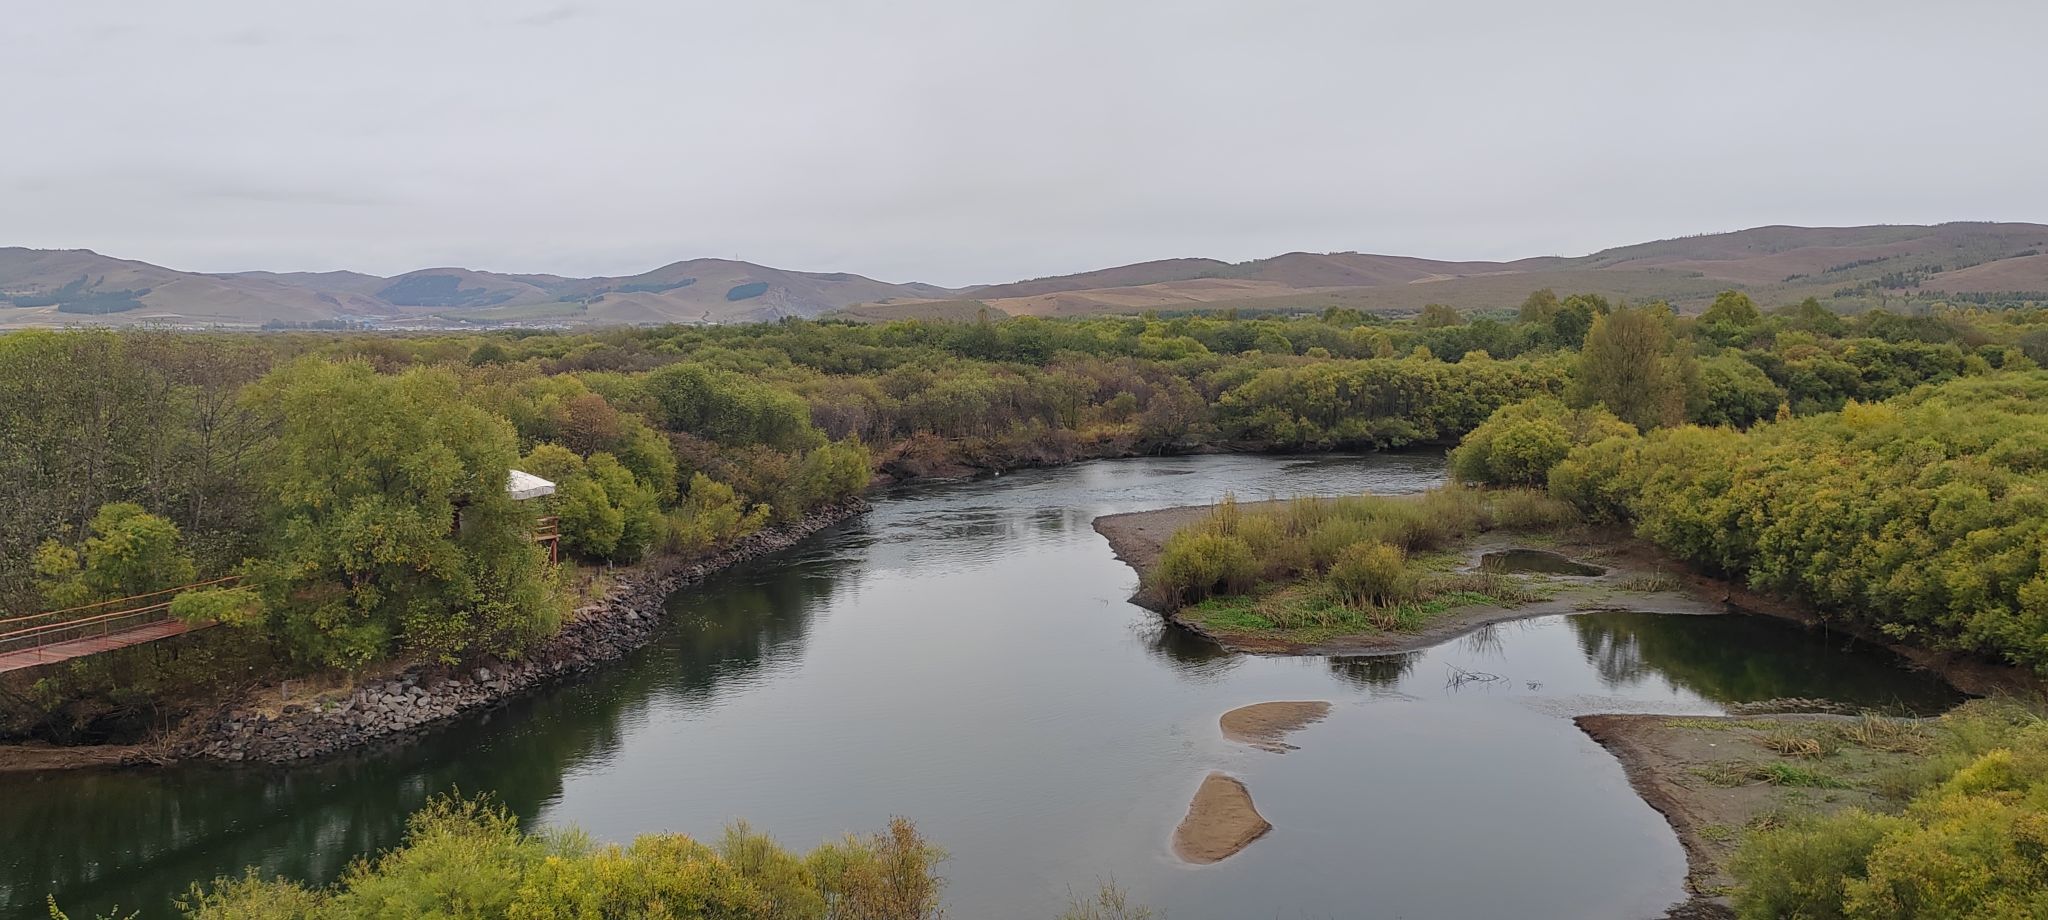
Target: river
x=965 y=656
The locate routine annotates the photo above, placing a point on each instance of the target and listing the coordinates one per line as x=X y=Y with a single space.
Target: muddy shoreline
x=1651 y=774
x=1680 y=767
x=605 y=627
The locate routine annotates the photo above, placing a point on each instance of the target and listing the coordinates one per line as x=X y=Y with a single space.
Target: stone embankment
x=604 y=628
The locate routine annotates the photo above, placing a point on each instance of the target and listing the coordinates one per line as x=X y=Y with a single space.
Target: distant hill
x=56 y=287
x=1846 y=267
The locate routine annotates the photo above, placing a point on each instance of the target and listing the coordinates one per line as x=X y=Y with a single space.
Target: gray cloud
x=958 y=142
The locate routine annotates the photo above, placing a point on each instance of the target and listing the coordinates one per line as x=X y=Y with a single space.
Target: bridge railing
x=100 y=618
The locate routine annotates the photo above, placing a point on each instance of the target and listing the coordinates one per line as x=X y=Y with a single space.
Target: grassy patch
x=1653 y=583
x=1314 y=569
x=1718 y=833
x=1770 y=774
x=1235 y=613
x=1819 y=741
x=1719 y=725
x=1892 y=736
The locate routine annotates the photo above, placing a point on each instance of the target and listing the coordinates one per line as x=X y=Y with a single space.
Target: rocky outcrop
x=605 y=628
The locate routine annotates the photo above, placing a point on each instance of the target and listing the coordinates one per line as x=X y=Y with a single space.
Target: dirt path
x=1220 y=822
x=1266 y=725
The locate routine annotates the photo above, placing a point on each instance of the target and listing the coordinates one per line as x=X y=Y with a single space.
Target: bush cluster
x=1969 y=844
x=470 y=859
x=1925 y=517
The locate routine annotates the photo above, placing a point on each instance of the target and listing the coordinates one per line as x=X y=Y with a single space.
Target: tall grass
x=1233 y=548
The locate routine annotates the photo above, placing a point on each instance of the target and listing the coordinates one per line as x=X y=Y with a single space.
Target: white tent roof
x=523 y=485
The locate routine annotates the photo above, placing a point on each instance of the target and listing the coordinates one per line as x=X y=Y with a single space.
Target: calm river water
x=965 y=656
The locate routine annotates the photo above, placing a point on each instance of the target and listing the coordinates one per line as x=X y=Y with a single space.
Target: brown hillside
x=1778 y=264
x=1133 y=275
x=1846 y=267
x=2024 y=273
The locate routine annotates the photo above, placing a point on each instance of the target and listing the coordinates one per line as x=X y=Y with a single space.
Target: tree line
x=356 y=481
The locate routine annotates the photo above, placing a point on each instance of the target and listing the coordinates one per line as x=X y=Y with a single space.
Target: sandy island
x=1139 y=538
x=1220 y=822
x=1266 y=725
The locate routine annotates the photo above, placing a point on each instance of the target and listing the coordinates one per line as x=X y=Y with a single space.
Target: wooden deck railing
x=101 y=618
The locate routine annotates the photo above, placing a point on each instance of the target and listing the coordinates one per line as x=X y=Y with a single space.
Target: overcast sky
x=964 y=141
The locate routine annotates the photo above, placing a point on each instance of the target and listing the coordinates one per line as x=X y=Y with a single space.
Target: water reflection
x=964 y=655
x=1747 y=658
x=1375 y=672
x=102 y=834
x=1190 y=655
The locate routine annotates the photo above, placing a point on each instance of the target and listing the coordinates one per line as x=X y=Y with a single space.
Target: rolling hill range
x=1846 y=267
x=59 y=287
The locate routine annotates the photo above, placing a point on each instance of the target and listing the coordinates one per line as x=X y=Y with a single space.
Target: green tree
x=1540 y=306
x=1732 y=308
x=1628 y=364
x=391 y=524
x=604 y=510
x=129 y=552
x=1519 y=444
x=1733 y=392
x=1437 y=316
x=488 y=353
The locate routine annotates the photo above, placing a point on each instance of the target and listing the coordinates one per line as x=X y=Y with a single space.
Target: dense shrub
x=1195 y=565
x=1373 y=574
x=1352 y=550
x=711 y=513
x=1970 y=843
x=1805 y=870
x=128 y=552
x=1732 y=391
x=392 y=524
x=1518 y=444
x=470 y=859
x=1925 y=517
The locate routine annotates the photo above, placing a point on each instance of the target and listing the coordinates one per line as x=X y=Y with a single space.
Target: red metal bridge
x=74 y=632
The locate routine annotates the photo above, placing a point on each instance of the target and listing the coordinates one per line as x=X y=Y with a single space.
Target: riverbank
x=275 y=725
x=1715 y=779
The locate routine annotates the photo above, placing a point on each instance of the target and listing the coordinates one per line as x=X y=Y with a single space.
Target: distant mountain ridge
x=1847 y=266
x=52 y=287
